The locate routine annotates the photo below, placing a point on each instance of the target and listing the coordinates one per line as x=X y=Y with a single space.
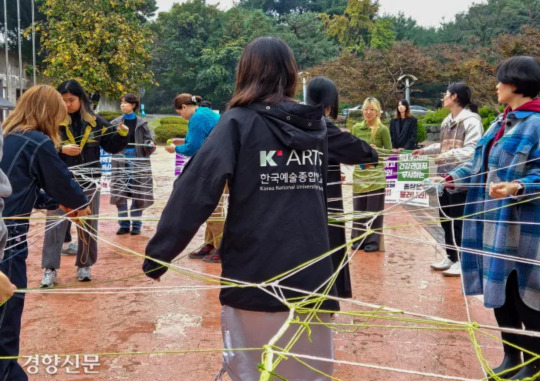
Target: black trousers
x=368 y=202
x=453 y=205
x=516 y=314
x=14 y=266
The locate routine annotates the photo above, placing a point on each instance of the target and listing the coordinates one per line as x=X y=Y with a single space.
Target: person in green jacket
x=369 y=181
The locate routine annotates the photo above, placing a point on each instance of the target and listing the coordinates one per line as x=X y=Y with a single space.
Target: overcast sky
x=425 y=12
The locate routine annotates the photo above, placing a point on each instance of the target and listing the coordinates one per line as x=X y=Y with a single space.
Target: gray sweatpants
x=54 y=238
x=251 y=329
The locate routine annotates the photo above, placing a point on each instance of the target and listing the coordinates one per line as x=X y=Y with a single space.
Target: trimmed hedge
x=170 y=131
x=109 y=115
x=173 y=120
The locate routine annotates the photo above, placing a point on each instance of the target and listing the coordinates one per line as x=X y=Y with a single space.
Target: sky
x=425 y=12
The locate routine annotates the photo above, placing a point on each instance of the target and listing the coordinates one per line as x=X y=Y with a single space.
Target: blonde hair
x=40 y=108
x=375 y=104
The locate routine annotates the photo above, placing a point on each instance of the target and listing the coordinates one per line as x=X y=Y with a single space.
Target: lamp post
x=408 y=80
x=304 y=75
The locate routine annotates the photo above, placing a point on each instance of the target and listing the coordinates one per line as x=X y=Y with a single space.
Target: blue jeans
x=133 y=213
x=129 y=167
x=14 y=266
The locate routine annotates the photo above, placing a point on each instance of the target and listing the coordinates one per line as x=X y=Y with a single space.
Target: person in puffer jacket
x=272 y=152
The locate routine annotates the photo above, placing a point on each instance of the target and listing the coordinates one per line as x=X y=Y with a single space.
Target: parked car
x=418 y=110
x=345 y=111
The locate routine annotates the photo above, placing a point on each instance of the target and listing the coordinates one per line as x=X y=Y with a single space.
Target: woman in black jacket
x=82 y=133
x=403 y=128
x=31 y=163
x=343 y=148
x=272 y=153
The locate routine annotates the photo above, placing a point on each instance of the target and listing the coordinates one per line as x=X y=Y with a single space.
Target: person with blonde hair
x=82 y=134
x=31 y=163
x=369 y=182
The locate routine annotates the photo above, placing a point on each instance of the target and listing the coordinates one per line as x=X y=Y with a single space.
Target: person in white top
x=460 y=131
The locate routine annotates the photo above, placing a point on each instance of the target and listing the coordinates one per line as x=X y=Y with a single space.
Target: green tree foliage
x=101 y=43
x=353 y=29
x=305 y=35
x=198 y=47
x=283 y=7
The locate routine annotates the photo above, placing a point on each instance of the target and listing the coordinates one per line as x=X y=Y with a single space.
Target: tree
x=353 y=29
x=283 y=7
x=103 y=44
x=376 y=73
x=305 y=35
x=181 y=35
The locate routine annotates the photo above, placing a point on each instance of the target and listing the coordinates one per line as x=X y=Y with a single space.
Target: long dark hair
x=464 y=95
x=75 y=88
x=405 y=103
x=266 y=73
x=322 y=91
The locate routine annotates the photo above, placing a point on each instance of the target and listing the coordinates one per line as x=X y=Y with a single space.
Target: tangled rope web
x=385 y=331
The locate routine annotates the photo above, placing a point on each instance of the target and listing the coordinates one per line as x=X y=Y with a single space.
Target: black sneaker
x=205 y=250
x=136 y=231
x=122 y=231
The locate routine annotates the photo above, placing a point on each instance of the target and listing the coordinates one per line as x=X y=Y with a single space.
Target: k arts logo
x=312 y=157
x=267 y=158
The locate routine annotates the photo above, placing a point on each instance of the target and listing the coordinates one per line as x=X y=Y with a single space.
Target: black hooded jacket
x=274 y=159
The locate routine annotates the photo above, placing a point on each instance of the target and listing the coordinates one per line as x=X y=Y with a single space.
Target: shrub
x=109 y=115
x=172 y=120
x=170 y=131
x=488 y=116
x=421 y=133
x=435 y=117
x=353 y=117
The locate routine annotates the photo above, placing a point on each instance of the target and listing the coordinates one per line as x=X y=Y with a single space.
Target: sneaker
x=135 y=231
x=70 y=249
x=212 y=257
x=83 y=274
x=49 y=278
x=454 y=270
x=371 y=247
x=205 y=250
x=445 y=264
x=122 y=231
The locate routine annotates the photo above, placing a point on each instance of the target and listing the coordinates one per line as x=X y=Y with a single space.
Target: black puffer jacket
x=274 y=159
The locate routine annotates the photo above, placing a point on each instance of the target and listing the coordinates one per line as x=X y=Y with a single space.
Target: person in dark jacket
x=343 y=148
x=272 y=152
x=31 y=163
x=403 y=128
x=132 y=170
x=82 y=134
x=6 y=287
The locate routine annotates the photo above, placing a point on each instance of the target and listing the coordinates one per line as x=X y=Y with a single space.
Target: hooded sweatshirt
x=458 y=140
x=274 y=159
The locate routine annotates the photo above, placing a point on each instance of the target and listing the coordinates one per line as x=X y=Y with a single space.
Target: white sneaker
x=454 y=270
x=49 y=278
x=70 y=249
x=83 y=274
x=445 y=264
